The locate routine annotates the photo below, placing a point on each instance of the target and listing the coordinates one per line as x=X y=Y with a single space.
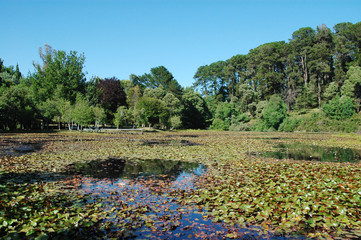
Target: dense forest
x=310 y=83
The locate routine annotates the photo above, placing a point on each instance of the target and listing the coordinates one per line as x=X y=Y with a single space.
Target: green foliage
x=99 y=115
x=339 y=108
x=247 y=96
x=82 y=112
x=240 y=123
x=58 y=68
x=289 y=124
x=122 y=117
x=16 y=107
x=330 y=91
x=155 y=111
x=274 y=112
x=219 y=124
x=195 y=114
x=175 y=122
x=158 y=76
x=306 y=99
x=157 y=93
x=173 y=104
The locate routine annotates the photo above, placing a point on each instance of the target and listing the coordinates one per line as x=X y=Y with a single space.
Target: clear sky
x=124 y=37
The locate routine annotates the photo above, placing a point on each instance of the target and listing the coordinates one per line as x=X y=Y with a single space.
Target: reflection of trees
x=316 y=153
x=118 y=168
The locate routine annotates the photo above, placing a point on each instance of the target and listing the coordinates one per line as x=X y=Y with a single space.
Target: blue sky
x=124 y=37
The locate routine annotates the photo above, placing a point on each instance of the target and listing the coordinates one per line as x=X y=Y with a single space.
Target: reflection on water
x=142 y=195
x=11 y=148
x=132 y=168
x=299 y=151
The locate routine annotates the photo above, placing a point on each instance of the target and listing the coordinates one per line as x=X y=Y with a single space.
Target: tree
x=16 y=107
x=112 y=95
x=99 y=115
x=157 y=93
x=344 y=50
x=321 y=64
x=339 y=108
x=154 y=110
x=212 y=80
x=158 y=76
x=56 y=108
x=302 y=42
x=246 y=96
x=236 y=72
x=122 y=116
x=266 y=64
x=352 y=86
x=195 y=114
x=82 y=113
x=330 y=91
x=274 y=112
x=133 y=96
x=173 y=104
x=58 y=68
x=224 y=113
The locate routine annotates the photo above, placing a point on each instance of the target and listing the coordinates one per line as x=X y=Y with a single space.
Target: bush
x=240 y=127
x=289 y=124
x=260 y=126
x=339 y=108
x=219 y=124
x=274 y=112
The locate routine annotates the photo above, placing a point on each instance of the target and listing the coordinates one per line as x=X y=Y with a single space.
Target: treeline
x=312 y=83
x=58 y=93
x=273 y=84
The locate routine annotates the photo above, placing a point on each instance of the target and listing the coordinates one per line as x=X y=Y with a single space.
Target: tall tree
x=58 y=68
x=302 y=42
x=344 y=50
x=158 y=76
x=212 y=79
x=235 y=71
x=321 y=65
x=266 y=63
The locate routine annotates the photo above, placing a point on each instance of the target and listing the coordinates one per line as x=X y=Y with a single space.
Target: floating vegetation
x=117 y=187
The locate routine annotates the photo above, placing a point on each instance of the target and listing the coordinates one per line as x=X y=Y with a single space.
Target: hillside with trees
x=310 y=83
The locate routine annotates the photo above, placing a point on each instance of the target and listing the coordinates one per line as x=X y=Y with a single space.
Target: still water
x=142 y=194
x=299 y=151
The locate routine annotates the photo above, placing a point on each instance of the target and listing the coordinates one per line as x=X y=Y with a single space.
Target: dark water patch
x=184 y=135
x=161 y=142
x=15 y=148
x=130 y=168
x=299 y=151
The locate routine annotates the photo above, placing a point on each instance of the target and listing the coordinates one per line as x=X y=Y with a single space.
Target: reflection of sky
x=183 y=181
x=135 y=194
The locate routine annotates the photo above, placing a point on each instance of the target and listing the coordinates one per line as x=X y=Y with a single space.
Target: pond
x=142 y=198
x=300 y=151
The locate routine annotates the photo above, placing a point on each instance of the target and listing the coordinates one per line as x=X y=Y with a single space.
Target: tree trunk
x=305 y=69
x=319 y=92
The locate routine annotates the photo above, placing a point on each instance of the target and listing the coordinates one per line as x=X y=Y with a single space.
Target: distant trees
x=306 y=72
x=317 y=69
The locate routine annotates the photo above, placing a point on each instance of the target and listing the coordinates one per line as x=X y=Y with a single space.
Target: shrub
x=289 y=124
x=274 y=112
x=219 y=124
x=339 y=108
